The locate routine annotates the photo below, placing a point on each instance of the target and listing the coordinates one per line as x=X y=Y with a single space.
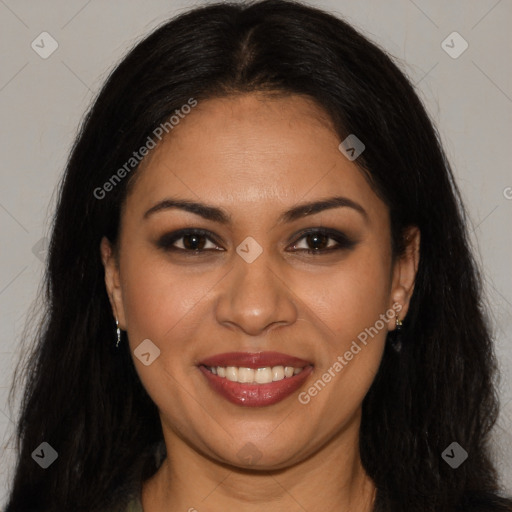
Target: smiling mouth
x=255 y=379
x=262 y=375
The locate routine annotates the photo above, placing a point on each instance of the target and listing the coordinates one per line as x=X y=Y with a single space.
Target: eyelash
x=343 y=242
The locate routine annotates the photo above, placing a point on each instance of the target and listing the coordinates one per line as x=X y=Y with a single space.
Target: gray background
x=43 y=100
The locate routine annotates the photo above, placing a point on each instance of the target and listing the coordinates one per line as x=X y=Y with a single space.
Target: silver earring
x=396 y=337
x=118 y=333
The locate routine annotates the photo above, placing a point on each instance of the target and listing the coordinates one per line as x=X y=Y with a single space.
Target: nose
x=255 y=298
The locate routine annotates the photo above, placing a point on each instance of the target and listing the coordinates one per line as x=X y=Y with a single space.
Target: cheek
x=351 y=296
x=353 y=302
x=159 y=301
x=165 y=305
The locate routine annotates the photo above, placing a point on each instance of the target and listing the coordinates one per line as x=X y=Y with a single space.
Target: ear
x=113 y=281
x=404 y=274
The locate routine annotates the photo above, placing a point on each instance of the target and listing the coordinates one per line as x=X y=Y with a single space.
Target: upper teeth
x=258 y=376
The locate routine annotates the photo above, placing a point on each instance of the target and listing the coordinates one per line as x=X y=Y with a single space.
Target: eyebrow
x=219 y=215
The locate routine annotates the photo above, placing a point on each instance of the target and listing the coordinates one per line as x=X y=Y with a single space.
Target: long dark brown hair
x=87 y=401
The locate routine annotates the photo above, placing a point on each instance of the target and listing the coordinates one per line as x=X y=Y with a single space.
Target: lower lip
x=256 y=395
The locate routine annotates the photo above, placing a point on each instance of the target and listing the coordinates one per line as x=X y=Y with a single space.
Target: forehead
x=251 y=150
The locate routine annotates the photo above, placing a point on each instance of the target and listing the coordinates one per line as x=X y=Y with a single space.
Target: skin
x=256 y=156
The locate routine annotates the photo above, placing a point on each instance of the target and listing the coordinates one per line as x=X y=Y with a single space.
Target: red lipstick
x=255 y=395
x=254 y=360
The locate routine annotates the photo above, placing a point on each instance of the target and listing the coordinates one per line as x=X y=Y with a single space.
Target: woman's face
x=246 y=284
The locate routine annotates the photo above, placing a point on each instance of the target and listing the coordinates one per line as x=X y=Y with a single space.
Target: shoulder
x=132 y=492
x=134 y=505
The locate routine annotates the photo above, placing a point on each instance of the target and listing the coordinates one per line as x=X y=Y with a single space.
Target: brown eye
x=192 y=241
x=317 y=241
